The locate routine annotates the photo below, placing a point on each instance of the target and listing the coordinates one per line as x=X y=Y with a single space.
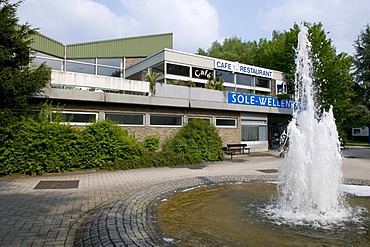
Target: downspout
x=65 y=58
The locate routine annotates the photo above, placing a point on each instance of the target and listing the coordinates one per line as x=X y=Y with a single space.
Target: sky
x=194 y=23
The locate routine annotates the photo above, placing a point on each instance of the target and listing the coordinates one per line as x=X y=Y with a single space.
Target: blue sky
x=194 y=23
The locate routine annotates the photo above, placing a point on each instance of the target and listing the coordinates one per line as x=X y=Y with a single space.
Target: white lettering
x=248 y=99
x=240 y=99
x=233 y=96
x=262 y=100
x=273 y=102
x=252 y=100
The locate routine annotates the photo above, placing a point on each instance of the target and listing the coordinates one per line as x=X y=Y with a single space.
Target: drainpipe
x=124 y=68
x=65 y=58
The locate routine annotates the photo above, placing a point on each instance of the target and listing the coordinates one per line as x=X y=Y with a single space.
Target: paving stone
x=115 y=206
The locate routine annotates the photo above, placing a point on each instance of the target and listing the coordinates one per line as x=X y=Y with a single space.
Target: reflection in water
x=232 y=215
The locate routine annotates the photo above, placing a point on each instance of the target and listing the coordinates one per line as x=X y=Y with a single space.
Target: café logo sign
x=202 y=73
x=243 y=68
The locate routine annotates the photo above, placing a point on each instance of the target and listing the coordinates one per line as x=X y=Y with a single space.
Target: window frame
x=256 y=123
x=165 y=115
x=225 y=126
x=167 y=64
x=126 y=113
x=77 y=112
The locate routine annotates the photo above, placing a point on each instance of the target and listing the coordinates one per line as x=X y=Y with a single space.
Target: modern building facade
x=107 y=80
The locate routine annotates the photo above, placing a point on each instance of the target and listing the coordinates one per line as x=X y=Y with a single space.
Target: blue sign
x=258 y=100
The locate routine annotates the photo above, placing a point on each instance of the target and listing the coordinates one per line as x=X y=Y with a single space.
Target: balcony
x=87 y=82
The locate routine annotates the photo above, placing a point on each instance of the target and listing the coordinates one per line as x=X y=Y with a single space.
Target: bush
x=193 y=144
x=36 y=146
x=104 y=142
x=33 y=147
x=151 y=143
x=198 y=139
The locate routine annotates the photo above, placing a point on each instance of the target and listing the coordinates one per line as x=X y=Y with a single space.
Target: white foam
x=357 y=190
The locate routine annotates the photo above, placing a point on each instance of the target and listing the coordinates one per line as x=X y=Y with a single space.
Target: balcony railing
x=79 y=81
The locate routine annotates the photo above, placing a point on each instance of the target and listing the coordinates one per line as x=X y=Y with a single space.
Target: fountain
x=311 y=175
x=308 y=205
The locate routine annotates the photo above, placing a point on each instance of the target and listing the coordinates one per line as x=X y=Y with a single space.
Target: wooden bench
x=230 y=152
x=231 y=149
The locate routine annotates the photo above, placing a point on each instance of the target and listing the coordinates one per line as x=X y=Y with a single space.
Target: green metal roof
x=141 y=46
x=47 y=45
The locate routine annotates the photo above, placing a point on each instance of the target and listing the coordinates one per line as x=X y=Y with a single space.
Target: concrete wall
x=71 y=79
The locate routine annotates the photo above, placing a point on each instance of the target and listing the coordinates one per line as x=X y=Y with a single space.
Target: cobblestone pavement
x=107 y=208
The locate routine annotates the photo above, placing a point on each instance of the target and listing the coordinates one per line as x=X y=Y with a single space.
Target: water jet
x=309 y=204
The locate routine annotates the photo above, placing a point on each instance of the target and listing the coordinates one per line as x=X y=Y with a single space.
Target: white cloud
x=342 y=19
x=71 y=21
x=194 y=23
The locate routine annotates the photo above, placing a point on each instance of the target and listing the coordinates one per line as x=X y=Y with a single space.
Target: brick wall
x=228 y=135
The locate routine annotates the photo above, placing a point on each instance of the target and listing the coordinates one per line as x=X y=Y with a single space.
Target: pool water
x=233 y=215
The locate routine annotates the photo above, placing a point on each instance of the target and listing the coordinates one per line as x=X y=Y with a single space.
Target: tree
x=152 y=78
x=331 y=71
x=362 y=67
x=18 y=82
x=215 y=84
x=232 y=49
x=332 y=76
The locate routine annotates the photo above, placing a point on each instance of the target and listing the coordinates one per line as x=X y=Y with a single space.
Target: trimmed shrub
x=151 y=143
x=33 y=147
x=198 y=139
x=104 y=142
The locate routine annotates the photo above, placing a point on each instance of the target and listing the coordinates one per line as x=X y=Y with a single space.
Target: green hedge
x=195 y=143
x=198 y=139
x=32 y=147
x=36 y=146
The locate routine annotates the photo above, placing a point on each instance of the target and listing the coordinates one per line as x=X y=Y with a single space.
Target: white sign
x=242 y=68
x=363 y=131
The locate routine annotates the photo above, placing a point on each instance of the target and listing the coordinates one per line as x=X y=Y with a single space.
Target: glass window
x=261 y=82
x=166 y=120
x=196 y=118
x=126 y=118
x=175 y=69
x=76 y=117
x=244 y=90
x=262 y=93
x=53 y=64
x=80 y=67
x=223 y=122
x=114 y=72
x=253 y=130
x=227 y=76
x=201 y=73
x=115 y=62
x=159 y=68
x=244 y=79
x=229 y=89
x=139 y=76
